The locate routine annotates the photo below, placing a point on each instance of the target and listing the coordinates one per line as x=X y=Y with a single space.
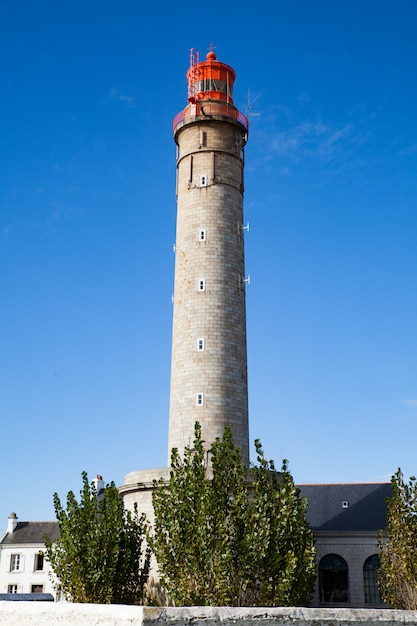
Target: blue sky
x=87 y=224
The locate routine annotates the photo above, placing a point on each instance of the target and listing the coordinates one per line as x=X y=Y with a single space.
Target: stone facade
x=138 y=487
x=209 y=355
x=209 y=362
x=354 y=548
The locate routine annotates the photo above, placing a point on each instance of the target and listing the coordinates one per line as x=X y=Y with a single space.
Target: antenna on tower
x=249 y=105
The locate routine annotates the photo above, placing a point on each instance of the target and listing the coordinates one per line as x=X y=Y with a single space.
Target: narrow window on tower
x=200 y=399
x=190 y=175
x=203 y=138
x=201 y=235
x=203 y=180
x=200 y=345
x=201 y=284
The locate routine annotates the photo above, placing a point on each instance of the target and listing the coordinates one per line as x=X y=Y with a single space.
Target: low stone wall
x=63 y=614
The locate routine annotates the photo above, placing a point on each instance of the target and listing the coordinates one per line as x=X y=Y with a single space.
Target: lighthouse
x=209 y=357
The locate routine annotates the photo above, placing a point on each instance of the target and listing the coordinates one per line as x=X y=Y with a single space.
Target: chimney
x=98 y=483
x=12 y=523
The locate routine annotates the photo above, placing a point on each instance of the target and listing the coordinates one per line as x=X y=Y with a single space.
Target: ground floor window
x=333 y=579
x=370 y=570
x=12 y=589
x=37 y=589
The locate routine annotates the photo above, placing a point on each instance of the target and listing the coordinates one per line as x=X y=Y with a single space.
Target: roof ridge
x=341 y=484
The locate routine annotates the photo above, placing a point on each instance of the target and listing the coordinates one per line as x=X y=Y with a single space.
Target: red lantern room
x=209 y=80
x=210 y=91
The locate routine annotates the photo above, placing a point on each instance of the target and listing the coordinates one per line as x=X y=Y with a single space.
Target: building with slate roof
x=345 y=519
x=23 y=567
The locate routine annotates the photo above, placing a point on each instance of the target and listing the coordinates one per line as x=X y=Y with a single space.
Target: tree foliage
x=226 y=535
x=101 y=555
x=398 y=545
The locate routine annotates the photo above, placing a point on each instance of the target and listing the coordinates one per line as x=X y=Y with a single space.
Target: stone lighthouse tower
x=209 y=361
x=209 y=358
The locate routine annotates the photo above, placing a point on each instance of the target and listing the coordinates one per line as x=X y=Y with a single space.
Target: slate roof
x=31 y=532
x=27 y=597
x=366 y=509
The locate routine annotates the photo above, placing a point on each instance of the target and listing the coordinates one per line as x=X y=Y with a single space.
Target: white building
x=23 y=566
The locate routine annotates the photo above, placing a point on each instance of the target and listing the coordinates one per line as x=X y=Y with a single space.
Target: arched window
x=370 y=569
x=333 y=579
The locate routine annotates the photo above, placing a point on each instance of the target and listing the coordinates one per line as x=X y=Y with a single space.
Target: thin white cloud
x=58 y=211
x=299 y=136
x=410 y=403
x=412 y=149
x=309 y=139
x=118 y=96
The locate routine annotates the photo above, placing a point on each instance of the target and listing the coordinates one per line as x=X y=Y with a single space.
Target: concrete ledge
x=68 y=614
x=213 y=616
x=43 y=614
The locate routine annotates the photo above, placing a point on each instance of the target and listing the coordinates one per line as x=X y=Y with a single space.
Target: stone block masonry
x=209 y=356
x=209 y=383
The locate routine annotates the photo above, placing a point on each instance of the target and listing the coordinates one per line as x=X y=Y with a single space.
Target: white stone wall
x=45 y=613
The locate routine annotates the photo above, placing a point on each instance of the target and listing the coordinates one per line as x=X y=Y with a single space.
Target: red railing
x=210 y=108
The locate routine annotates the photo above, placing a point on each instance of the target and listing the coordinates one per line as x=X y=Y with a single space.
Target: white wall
x=27 y=575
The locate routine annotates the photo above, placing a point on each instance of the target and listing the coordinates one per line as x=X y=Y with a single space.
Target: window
x=211 y=84
x=201 y=235
x=370 y=570
x=333 y=579
x=190 y=176
x=201 y=284
x=39 y=560
x=200 y=345
x=203 y=180
x=15 y=562
x=200 y=399
x=12 y=589
x=36 y=589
